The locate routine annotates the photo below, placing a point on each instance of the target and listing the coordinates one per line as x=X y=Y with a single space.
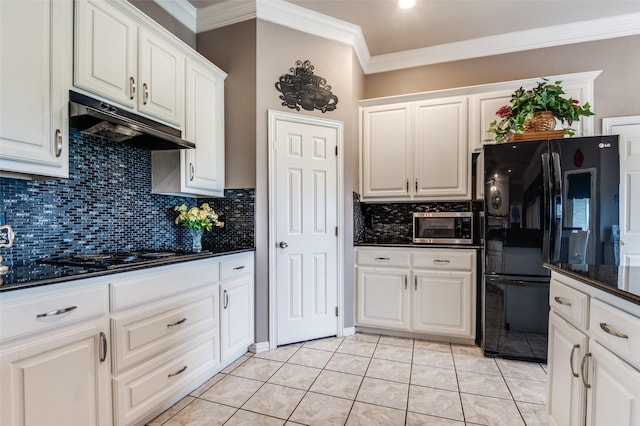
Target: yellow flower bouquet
x=202 y=218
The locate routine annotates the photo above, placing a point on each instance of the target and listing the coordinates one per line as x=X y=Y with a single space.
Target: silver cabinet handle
x=103 y=340
x=382 y=259
x=132 y=88
x=57 y=312
x=192 y=170
x=182 y=370
x=607 y=328
x=145 y=93
x=283 y=244
x=226 y=299
x=571 y=360
x=58 y=140
x=237 y=268
x=584 y=374
x=405 y=282
x=561 y=301
x=415 y=283
x=416 y=185
x=177 y=323
x=407 y=185
x=441 y=261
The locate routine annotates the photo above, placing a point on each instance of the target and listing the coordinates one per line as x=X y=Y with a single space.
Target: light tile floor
x=367 y=380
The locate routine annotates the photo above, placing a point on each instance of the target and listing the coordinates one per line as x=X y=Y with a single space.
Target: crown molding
x=181 y=10
x=557 y=35
x=226 y=13
x=298 y=18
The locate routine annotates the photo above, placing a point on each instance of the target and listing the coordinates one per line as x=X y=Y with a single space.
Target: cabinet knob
x=192 y=171
x=145 y=93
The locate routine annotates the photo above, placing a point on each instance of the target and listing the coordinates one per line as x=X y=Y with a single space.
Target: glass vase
x=196 y=240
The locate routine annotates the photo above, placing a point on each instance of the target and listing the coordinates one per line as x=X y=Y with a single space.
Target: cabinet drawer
x=135 y=288
x=459 y=260
x=152 y=330
x=236 y=266
x=616 y=330
x=569 y=303
x=384 y=258
x=52 y=309
x=144 y=389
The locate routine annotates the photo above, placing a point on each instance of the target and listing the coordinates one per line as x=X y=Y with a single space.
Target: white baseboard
x=348 y=331
x=256 y=348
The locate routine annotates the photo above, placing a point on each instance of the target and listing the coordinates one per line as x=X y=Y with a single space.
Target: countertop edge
x=103 y=272
x=598 y=284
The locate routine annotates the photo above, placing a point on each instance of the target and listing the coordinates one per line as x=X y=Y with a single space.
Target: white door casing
x=628 y=129
x=305 y=241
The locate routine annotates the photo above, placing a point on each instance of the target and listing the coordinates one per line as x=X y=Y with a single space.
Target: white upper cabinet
x=483 y=111
x=122 y=58
x=106 y=52
x=441 y=158
x=386 y=151
x=200 y=171
x=415 y=150
x=35 y=76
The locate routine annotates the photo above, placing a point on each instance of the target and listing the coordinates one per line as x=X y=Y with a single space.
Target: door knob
x=283 y=244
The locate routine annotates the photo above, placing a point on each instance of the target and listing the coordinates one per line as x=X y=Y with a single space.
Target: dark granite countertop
x=37 y=274
x=622 y=281
x=413 y=245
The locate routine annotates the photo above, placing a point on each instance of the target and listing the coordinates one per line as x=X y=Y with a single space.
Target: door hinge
x=336 y=231
x=336 y=311
x=336 y=149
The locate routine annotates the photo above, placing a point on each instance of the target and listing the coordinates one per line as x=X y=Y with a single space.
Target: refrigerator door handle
x=548 y=207
x=558 y=194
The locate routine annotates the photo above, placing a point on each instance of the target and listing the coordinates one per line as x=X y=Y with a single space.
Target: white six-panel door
x=305 y=215
x=628 y=129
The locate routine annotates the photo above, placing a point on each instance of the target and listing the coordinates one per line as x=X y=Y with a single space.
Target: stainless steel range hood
x=100 y=118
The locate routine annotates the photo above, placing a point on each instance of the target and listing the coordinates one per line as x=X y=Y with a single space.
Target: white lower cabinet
x=122 y=348
x=430 y=291
x=593 y=368
x=59 y=374
x=236 y=306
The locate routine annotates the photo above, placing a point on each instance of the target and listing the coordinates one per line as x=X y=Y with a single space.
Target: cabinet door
x=482 y=111
x=35 y=75
x=236 y=317
x=444 y=303
x=566 y=401
x=203 y=167
x=57 y=380
x=441 y=160
x=161 y=78
x=614 y=397
x=386 y=151
x=383 y=298
x=106 y=53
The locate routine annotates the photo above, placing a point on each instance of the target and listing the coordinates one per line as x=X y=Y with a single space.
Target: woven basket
x=542 y=121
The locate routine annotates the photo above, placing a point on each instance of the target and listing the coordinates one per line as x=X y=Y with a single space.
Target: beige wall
x=278 y=48
x=162 y=17
x=233 y=49
x=616 y=89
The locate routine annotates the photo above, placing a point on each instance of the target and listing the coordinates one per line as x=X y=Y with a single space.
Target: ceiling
x=388 y=29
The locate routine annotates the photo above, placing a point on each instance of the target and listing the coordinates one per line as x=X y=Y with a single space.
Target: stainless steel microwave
x=443 y=228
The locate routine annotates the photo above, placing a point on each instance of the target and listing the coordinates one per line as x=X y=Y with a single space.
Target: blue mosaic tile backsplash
x=106 y=205
x=392 y=223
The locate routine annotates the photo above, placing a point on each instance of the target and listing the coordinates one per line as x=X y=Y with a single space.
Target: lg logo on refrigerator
x=604 y=145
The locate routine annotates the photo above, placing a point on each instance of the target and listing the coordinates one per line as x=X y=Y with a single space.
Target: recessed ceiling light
x=406 y=4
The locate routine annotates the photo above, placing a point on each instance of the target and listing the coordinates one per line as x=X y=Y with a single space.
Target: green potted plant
x=537 y=109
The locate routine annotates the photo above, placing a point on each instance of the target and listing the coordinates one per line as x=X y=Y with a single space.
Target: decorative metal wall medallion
x=301 y=88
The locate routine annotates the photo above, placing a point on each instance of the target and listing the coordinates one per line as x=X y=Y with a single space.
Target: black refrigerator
x=544 y=201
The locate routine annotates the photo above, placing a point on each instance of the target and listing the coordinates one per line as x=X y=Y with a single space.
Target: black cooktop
x=116 y=259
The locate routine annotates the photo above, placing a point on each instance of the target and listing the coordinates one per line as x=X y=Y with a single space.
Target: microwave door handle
x=547 y=207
